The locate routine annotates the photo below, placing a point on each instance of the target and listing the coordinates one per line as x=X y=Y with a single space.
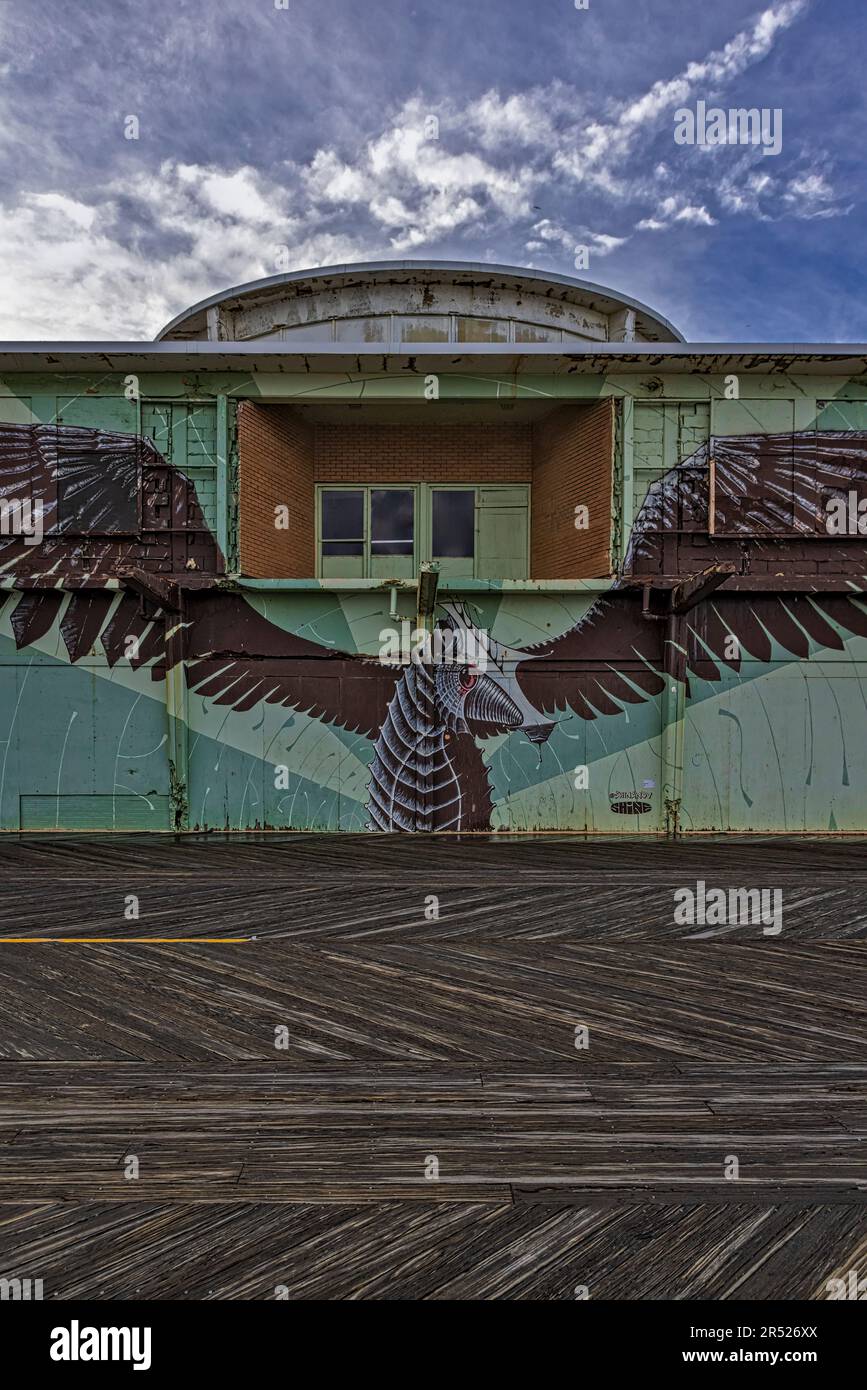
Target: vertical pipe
x=176 y=714
x=627 y=465
x=673 y=712
x=223 y=476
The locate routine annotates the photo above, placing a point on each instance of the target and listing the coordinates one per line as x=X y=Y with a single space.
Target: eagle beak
x=539 y=735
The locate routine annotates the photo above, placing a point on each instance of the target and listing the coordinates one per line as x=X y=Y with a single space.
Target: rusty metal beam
x=691 y=591
x=161 y=592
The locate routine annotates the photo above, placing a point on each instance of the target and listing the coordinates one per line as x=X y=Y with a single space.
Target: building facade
x=432 y=547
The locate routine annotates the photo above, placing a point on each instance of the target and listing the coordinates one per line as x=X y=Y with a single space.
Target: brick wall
x=567 y=458
x=572 y=464
x=426 y=452
x=276 y=469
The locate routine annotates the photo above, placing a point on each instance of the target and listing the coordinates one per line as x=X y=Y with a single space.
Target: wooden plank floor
x=447 y=1250
x=405 y=1040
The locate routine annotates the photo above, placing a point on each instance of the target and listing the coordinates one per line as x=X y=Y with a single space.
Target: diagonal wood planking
x=408 y=1038
x=452 y=1250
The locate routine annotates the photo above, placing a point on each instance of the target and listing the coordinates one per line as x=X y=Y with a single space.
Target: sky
x=154 y=152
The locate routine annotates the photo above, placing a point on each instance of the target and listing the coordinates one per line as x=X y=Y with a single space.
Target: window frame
x=367 y=489
x=393 y=341
x=431 y=488
x=422 y=551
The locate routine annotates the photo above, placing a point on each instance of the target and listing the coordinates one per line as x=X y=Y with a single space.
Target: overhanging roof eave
x=256 y=355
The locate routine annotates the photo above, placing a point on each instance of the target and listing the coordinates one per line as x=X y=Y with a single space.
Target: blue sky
x=276 y=138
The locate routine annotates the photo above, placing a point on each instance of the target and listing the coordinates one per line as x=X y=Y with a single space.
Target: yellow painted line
x=126 y=940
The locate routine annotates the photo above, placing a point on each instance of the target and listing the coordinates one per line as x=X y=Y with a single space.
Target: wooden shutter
x=501 y=533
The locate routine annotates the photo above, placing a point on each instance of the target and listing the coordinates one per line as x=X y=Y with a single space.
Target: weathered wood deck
x=407 y=1039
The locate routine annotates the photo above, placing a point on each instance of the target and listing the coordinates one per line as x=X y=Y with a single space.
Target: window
x=453 y=528
x=392 y=514
x=483 y=330
x=414 y=328
x=367 y=330
x=537 y=333
x=367 y=533
x=378 y=532
x=343 y=523
x=394 y=329
x=98 y=495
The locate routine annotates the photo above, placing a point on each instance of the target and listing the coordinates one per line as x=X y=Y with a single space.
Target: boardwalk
x=331 y=1085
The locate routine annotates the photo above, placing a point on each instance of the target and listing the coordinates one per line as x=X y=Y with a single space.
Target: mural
x=285 y=716
x=77 y=501
x=428 y=722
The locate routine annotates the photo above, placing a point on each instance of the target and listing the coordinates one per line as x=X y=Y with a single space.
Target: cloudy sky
x=284 y=134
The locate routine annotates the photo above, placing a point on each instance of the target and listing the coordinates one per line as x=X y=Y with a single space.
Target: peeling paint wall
x=198 y=703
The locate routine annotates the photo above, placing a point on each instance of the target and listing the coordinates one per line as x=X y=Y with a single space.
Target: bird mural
x=427 y=772
x=427 y=720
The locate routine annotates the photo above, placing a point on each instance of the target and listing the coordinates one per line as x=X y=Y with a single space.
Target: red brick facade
x=567 y=458
x=572 y=466
x=424 y=452
x=276 y=452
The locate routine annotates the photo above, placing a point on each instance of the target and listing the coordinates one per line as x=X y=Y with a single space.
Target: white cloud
x=809 y=195
x=236 y=196
x=525 y=119
x=749 y=189
x=420 y=188
x=697 y=216
x=597 y=243
x=672 y=210
x=607 y=144
x=72 y=276
x=79 y=214
x=121 y=259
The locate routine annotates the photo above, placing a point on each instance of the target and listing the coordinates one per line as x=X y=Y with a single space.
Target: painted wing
x=237 y=657
x=615 y=657
x=611 y=658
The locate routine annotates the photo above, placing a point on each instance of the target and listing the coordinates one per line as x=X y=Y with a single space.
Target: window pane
x=343 y=547
x=391 y=521
x=483 y=331
x=342 y=518
x=536 y=333
x=421 y=329
x=99 y=495
x=309 y=332
x=453 y=522
x=373 y=330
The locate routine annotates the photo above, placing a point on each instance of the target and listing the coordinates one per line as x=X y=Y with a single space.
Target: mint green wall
x=88 y=746
x=80 y=746
x=778 y=748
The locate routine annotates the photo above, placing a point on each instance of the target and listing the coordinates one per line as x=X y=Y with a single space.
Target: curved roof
x=503 y=284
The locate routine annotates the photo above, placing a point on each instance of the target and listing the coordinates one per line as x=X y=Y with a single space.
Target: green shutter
x=841 y=415
x=757 y=416
x=501 y=533
x=186 y=436
x=664 y=434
